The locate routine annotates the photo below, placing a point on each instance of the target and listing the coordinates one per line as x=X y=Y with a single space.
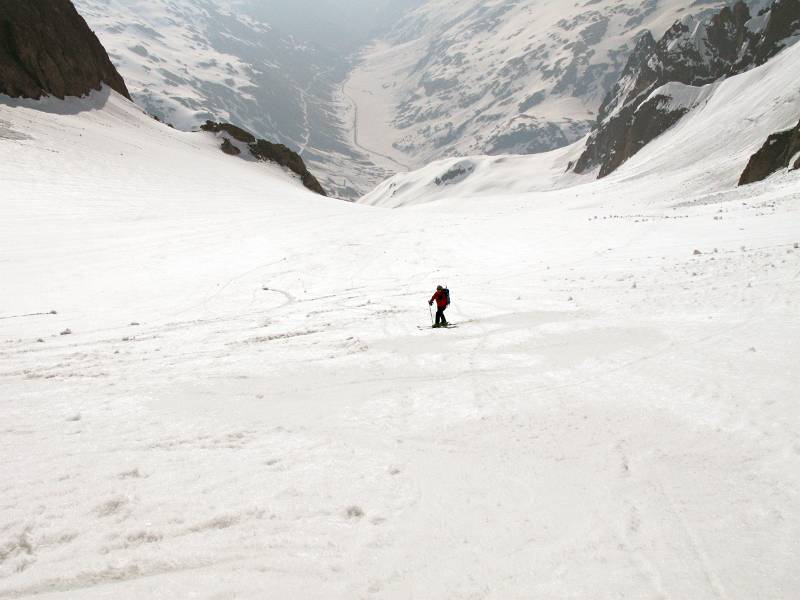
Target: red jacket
x=440 y=298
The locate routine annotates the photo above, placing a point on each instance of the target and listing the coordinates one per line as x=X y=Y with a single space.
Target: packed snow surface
x=247 y=400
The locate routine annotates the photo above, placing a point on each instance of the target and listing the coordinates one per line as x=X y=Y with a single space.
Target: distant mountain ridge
x=485 y=77
x=692 y=53
x=454 y=77
x=470 y=77
x=743 y=130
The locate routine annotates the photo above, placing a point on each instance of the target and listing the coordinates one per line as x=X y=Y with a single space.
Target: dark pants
x=440 y=320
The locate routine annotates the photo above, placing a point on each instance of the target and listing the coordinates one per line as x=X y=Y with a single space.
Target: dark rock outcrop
x=228 y=148
x=264 y=150
x=280 y=154
x=237 y=133
x=784 y=22
x=46 y=48
x=692 y=54
x=776 y=154
x=628 y=132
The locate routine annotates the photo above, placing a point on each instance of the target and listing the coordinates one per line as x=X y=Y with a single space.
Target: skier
x=442 y=299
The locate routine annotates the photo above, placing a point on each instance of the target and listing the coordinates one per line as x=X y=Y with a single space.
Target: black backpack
x=447 y=295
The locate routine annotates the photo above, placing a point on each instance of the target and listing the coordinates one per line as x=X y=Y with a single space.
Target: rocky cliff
x=780 y=151
x=640 y=108
x=46 y=48
x=235 y=140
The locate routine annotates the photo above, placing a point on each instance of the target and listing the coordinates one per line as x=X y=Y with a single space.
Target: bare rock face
x=783 y=23
x=627 y=132
x=228 y=148
x=638 y=110
x=776 y=154
x=46 y=48
x=264 y=151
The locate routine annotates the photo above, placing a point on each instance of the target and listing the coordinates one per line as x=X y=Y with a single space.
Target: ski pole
x=430 y=310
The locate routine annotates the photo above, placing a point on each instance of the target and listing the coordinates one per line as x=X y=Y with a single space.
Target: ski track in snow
x=245 y=408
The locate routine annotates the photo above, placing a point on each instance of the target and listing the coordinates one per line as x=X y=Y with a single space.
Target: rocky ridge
x=235 y=140
x=47 y=49
x=643 y=103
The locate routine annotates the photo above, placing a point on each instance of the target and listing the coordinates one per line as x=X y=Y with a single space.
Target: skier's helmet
x=439 y=288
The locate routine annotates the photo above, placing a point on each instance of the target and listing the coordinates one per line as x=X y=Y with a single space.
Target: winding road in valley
x=357 y=144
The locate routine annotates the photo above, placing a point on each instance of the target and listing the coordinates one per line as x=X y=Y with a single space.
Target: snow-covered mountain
x=273 y=70
x=706 y=151
x=664 y=80
x=460 y=77
x=448 y=79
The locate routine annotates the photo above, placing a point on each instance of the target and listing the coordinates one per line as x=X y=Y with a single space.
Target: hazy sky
x=343 y=24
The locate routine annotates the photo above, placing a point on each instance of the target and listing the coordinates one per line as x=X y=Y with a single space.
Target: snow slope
x=705 y=152
x=246 y=408
x=458 y=78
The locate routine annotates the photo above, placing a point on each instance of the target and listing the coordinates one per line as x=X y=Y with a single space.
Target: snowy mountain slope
x=120 y=155
x=463 y=78
x=188 y=61
x=724 y=124
x=691 y=54
x=245 y=405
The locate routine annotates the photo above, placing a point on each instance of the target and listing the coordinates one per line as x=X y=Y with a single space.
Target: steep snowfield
x=706 y=151
x=460 y=77
x=246 y=408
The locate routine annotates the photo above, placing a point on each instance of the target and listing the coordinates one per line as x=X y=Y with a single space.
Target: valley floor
x=367 y=95
x=250 y=405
